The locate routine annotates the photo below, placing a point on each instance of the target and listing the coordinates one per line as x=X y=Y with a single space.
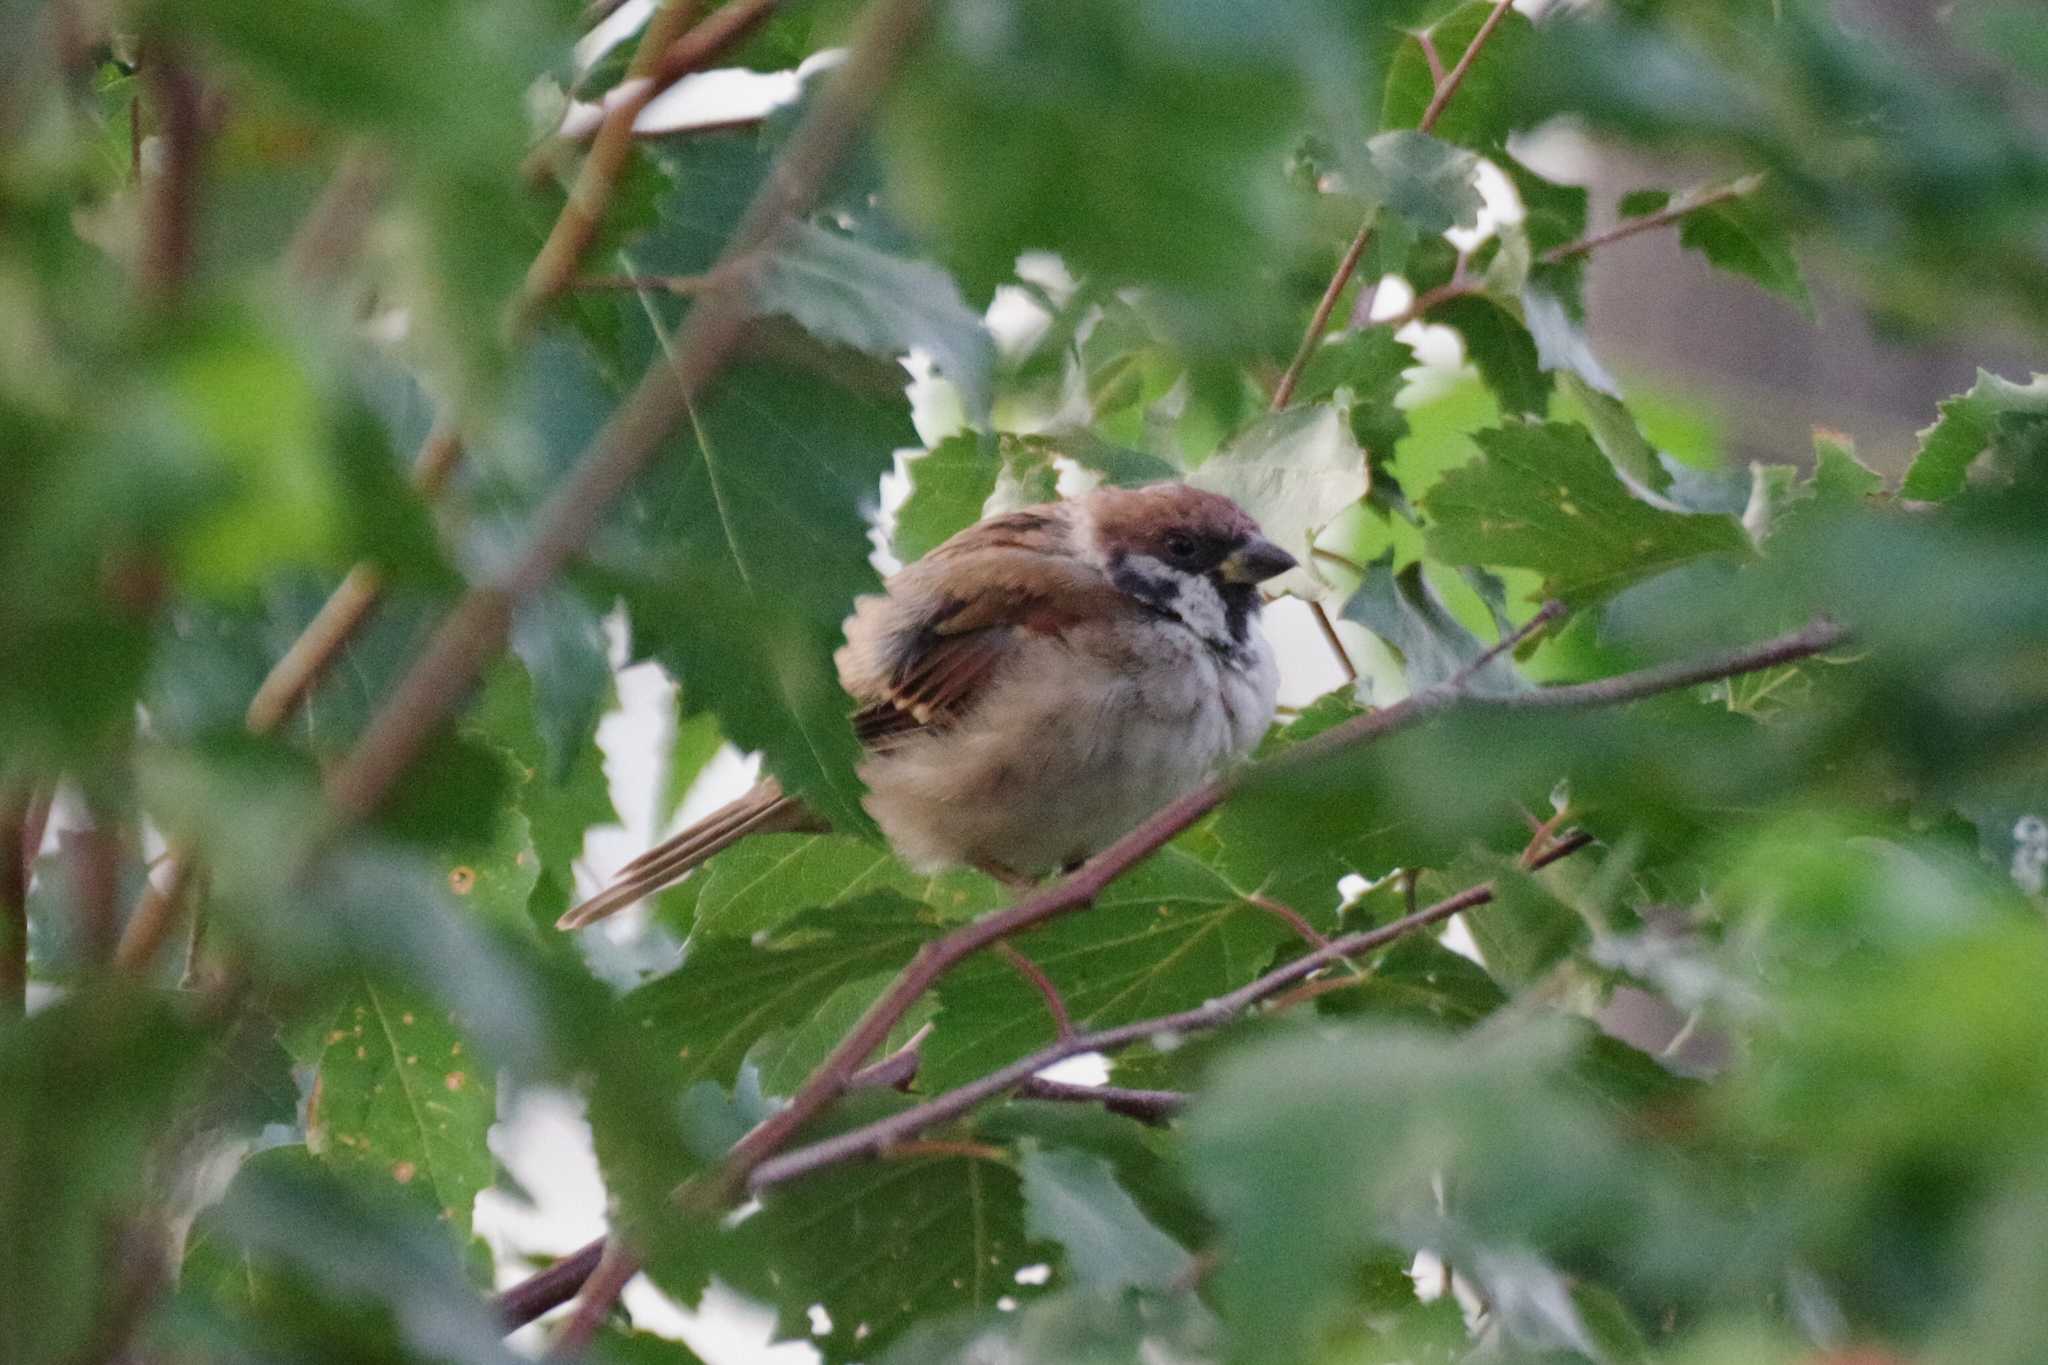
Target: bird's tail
x=763 y=810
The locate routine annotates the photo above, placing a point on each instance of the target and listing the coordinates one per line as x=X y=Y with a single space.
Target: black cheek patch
x=1156 y=591
x=1240 y=604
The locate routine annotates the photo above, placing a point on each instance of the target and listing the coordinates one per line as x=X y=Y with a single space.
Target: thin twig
x=332 y=233
x=1035 y=977
x=1347 y=264
x=925 y=1148
x=1650 y=221
x=1290 y=917
x=174 y=192
x=1146 y=1106
x=94 y=854
x=153 y=918
x=476 y=630
x=590 y=197
x=546 y=1290
x=683 y=286
x=1448 y=86
x=1334 y=641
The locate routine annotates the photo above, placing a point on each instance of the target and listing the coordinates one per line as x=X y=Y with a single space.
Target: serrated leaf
x=1169 y=935
x=1419 y=981
x=1431 y=183
x=1371 y=364
x=1614 y=429
x=402 y=1097
x=844 y=291
x=1554 y=215
x=886 y=1244
x=1073 y=1198
x=1295 y=471
x=1545 y=498
x=1740 y=235
x=1970 y=424
x=748 y=545
x=1403 y=609
x=1503 y=352
x=728 y=994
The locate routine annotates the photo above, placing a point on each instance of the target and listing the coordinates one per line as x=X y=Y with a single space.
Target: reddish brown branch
x=16 y=859
x=173 y=193
x=1035 y=977
x=1649 y=222
x=1448 y=86
x=615 y=1268
x=1146 y=1106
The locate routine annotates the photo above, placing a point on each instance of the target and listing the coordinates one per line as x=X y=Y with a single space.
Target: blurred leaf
x=1073 y=1198
x=846 y=292
x=763 y=881
x=1405 y=612
x=1294 y=471
x=948 y=486
x=1740 y=235
x=89 y=1083
x=561 y=642
x=1544 y=498
x=1430 y=182
x=1614 y=430
x=1993 y=413
x=1370 y=364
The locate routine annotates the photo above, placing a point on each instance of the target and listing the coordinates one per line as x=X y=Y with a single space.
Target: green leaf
x=1994 y=411
x=1431 y=183
x=762 y=881
x=1295 y=471
x=949 y=485
x=89 y=1082
x=1370 y=364
x=1554 y=215
x=561 y=642
x=751 y=546
x=728 y=994
x=1073 y=1198
x=1483 y=112
x=1503 y=352
x=1614 y=429
x=403 y=1097
x=1168 y=936
x=1545 y=498
x=850 y=293
x=1403 y=609
x=890 y=1243
x=1745 y=237
x=1420 y=982
x=1072 y=1328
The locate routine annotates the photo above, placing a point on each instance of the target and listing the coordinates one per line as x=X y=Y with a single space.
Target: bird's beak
x=1256 y=561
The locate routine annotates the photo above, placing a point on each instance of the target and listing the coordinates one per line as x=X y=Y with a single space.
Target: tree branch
x=173 y=196
x=1448 y=86
x=615 y=1269
x=1650 y=221
x=1146 y=1106
x=15 y=862
x=1035 y=977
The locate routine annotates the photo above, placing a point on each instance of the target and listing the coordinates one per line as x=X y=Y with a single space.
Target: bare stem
x=1334 y=641
x=1448 y=86
x=1649 y=222
x=1034 y=975
x=15 y=861
x=615 y=1268
x=174 y=192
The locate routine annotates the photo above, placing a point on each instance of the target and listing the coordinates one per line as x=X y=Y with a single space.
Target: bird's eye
x=1180 y=546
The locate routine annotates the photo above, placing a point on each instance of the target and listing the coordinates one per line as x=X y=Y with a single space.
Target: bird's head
x=1184 y=552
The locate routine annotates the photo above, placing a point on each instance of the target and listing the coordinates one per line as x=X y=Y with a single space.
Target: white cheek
x=1201 y=606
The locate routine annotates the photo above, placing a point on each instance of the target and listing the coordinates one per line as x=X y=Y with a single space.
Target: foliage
x=254 y=258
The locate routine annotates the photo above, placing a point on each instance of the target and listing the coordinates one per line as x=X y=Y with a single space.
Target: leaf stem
x=1440 y=99
x=1650 y=221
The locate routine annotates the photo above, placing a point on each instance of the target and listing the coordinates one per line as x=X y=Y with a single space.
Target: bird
x=1034 y=687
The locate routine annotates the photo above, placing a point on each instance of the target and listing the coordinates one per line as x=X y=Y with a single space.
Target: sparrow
x=1034 y=687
